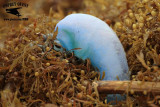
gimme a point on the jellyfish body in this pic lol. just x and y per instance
(97, 42)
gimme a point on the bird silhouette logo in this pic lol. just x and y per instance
(14, 11)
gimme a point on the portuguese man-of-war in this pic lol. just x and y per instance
(97, 42)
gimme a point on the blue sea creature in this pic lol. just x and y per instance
(97, 42)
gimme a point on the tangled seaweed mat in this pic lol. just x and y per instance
(38, 75)
(31, 75)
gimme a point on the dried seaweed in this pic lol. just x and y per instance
(139, 33)
(38, 75)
